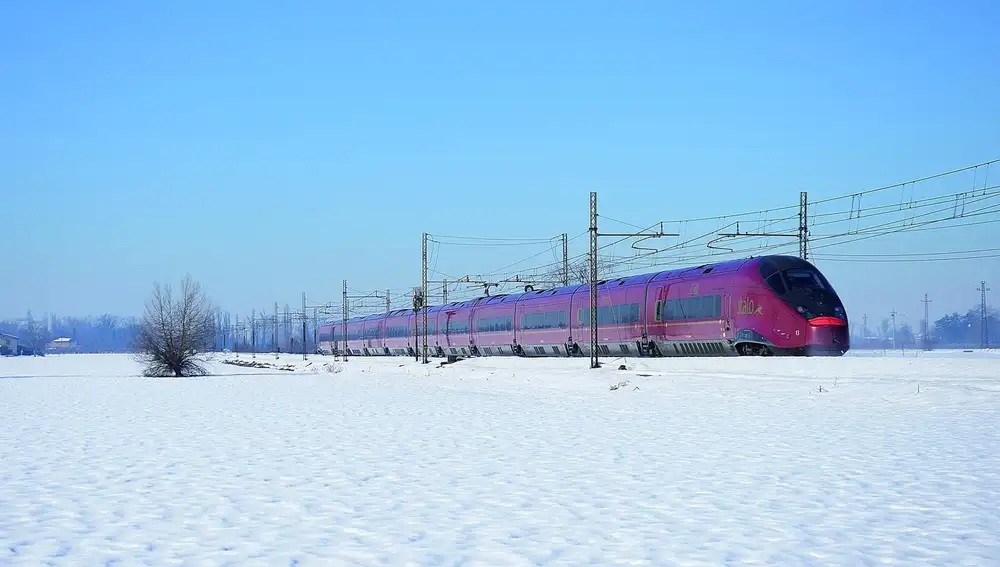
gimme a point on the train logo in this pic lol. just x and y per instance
(748, 306)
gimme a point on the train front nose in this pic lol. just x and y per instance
(827, 336)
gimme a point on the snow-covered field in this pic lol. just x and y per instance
(504, 462)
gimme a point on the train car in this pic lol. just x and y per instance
(543, 322)
(455, 329)
(398, 327)
(769, 305)
(798, 304)
(493, 325)
(688, 311)
(328, 339)
(620, 317)
(355, 336)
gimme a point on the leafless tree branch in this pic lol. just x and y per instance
(173, 335)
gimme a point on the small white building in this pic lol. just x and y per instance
(8, 344)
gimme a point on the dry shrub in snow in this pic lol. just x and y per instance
(174, 335)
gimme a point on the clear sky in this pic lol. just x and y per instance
(275, 148)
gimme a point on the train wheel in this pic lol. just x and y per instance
(654, 350)
(753, 349)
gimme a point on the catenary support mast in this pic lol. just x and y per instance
(593, 257)
(344, 333)
(927, 322)
(423, 290)
(803, 225)
(984, 340)
(565, 266)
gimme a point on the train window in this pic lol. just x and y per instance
(545, 320)
(776, 284)
(622, 314)
(802, 279)
(667, 311)
(493, 324)
(767, 268)
(701, 307)
(457, 326)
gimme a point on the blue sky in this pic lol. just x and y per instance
(270, 150)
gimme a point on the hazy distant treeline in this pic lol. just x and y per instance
(103, 333)
(955, 330)
(112, 333)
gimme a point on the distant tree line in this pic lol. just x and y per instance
(102, 333)
(109, 333)
(956, 330)
(965, 330)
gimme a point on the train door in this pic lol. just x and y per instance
(727, 311)
(632, 312)
(577, 334)
(656, 325)
(446, 327)
(676, 310)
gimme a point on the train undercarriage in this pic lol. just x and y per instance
(663, 349)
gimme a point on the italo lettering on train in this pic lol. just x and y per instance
(748, 306)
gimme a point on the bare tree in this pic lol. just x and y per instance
(579, 272)
(36, 335)
(173, 335)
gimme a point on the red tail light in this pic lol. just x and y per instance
(827, 321)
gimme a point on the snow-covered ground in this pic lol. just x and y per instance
(504, 462)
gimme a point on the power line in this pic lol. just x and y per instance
(492, 238)
(877, 255)
(905, 260)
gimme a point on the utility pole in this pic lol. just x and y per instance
(423, 290)
(594, 235)
(253, 333)
(893, 314)
(984, 340)
(388, 302)
(927, 323)
(565, 270)
(444, 289)
(345, 320)
(864, 327)
(803, 225)
(304, 319)
(274, 332)
(594, 362)
(418, 303)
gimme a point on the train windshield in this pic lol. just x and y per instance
(801, 278)
(802, 287)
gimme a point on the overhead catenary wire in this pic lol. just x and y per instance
(911, 213)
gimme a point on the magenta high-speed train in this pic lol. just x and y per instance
(769, 305)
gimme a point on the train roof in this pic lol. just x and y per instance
(779, 262)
